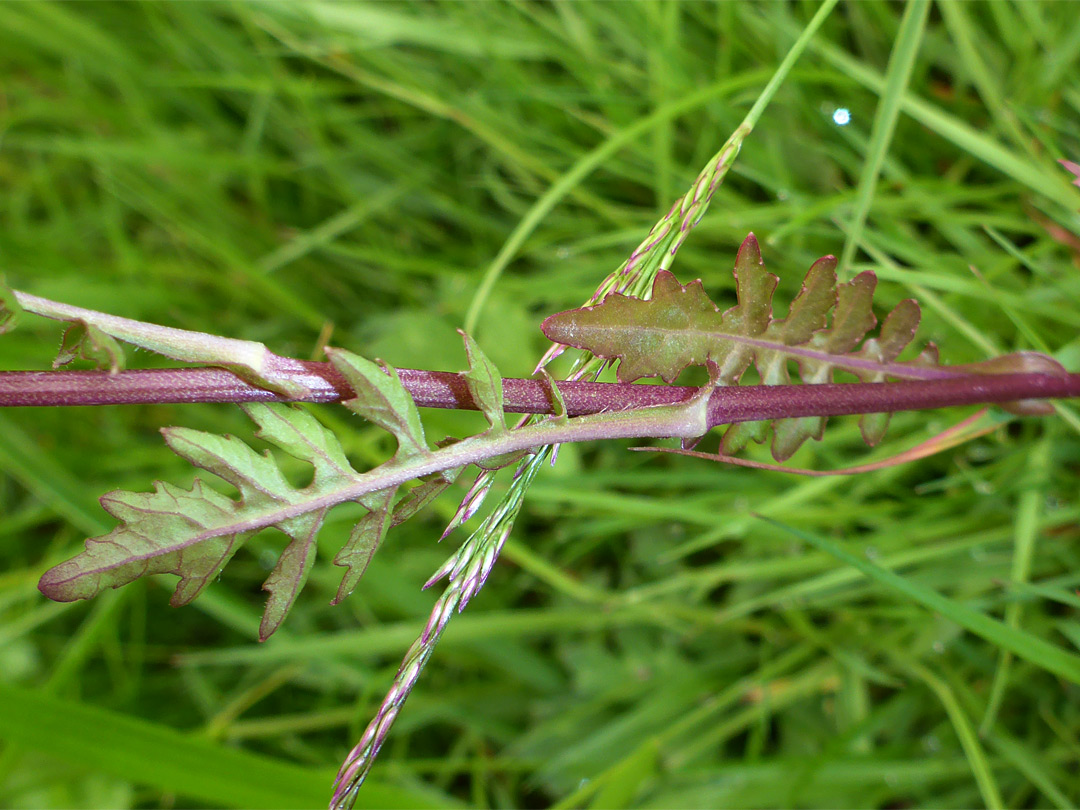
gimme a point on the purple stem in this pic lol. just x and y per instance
(442, 389)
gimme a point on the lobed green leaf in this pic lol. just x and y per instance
(194, 533)
(382, 399)
(485, 384)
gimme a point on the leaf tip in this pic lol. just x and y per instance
(750, 247)
(555, 326)
(274, 613)
(61, 583)
(48, 585)
(827, 262)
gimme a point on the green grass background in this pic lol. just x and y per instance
(270, 171)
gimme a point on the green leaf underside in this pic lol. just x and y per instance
(485, 385)
(193, 533)
(382, 399)
(363, 542)
(679, 326)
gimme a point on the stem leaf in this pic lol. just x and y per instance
(291, 572)
(248, 359)
(429, 488)
(485, 384)
(382, 399)
(678, 326)
(194, 533)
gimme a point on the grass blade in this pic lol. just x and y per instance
(901, 62)
(1035, 650)
(161, 757)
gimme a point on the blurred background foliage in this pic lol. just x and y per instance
(281, 171)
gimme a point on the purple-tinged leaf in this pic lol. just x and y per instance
(808, 316)
(679, 327)
(658, 337)
(140, 545)
(897, 332)
(750, 318)
(852, 319)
